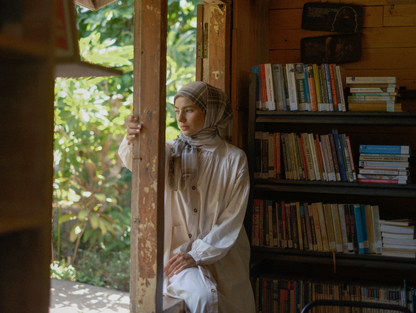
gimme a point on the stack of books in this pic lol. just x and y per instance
(398, 238)
(299, 87)
(373, 94)
(384, 164)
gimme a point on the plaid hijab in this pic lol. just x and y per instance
(218, 113)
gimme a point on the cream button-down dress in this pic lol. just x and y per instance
(206, 221)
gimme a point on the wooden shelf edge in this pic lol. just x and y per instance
(84, 69)
(351, 118)
(336, 187)
(360, 260)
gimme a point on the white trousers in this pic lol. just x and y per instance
(197, 287)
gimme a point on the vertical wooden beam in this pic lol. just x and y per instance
(216, 68)
(149, 103)
(199, 41)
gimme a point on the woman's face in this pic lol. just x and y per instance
(190, 117)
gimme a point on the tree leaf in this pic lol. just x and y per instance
(67, 217)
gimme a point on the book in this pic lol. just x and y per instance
(387, 234)
(399, 241)
(344, 231)
(375, 107)
(277, 155)
(308, 154)
(337, 227)
(333, 158)
(395, 158)
(299, 225)
(335, 94)
(294, 225)
(317, 226)
(341, 90)
(263, 87)
(397, 229)
(270, 209)
(256, 71)
(312, 88)
(291, 86)
(303, 232)
(371, 80)
(308, 217)
(385, 149)
(271, 157)
(383, 172)
(381, 164)
(322, 172)
(329, 226)
(359, 228)
(365, 230)
(340, 158)
(265, 154)
(354, 173)
(257, 155)
(392, 177)
(326, 76)
(353, 227)
(282, 209)
(314, 156)
(373, 89)
(346, 156)
(317, 82)
(382, 181)
(278, 87)
(260, 203)
(322, 224)
(301, 87)
(371, 98)
(307, 91)
(289, 230)
(270, 103)
(324, 91)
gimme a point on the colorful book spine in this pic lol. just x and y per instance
(328, 86)
(333, 86)
(291, 85)
(317, 82)
(339, 155)
(364, 227)
(359, 228)
(278, 87)
(341, 90)
(270, 104)
(307, 91)
(385, 149)
(371, 80)
(255, 70)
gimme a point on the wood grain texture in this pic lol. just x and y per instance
(399, 15)
(148, 156)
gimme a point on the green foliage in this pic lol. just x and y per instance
(104, 268)
(63, 271)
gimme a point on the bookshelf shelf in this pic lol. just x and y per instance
(343, 188)
(360, 260)
(348, 118)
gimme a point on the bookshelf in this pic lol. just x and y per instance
(26, 145)
(395, 201)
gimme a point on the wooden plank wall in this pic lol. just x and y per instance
(388, 38)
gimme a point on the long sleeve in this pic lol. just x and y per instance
(125, 153)
(224, 233)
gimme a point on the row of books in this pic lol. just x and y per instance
(291, 296)
(299, 87)
(398, 238)
(305, 156)
(338, 227)
(376, 94)
(384, 164)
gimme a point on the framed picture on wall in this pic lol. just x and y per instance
(331, 49)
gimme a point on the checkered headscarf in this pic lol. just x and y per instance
(218, 114)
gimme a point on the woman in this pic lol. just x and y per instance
(206, 256)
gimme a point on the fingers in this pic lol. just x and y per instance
(133, 128)
(178, 263)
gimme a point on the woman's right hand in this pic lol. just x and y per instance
(133, 128)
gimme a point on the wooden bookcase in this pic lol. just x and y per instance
(283, 46)
(26, 145)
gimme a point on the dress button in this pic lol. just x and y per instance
(193, 187)
(195, 210)
(213, 290)
(189, 235)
